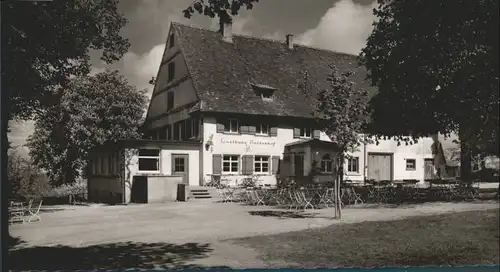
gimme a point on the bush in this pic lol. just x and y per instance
(26, 180)
(66, 190)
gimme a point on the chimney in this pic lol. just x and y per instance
(227, 31)
(289, 41)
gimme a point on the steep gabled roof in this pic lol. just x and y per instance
(223, 73)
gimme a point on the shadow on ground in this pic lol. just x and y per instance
(109, 256)
(287, 214)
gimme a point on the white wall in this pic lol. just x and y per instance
(165, 167)
(249, 146)
(418, 151)
(246, 146)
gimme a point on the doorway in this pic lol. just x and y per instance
(139, 190)
(180, 167)
(379, 166)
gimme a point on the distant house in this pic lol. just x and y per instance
(245, 106)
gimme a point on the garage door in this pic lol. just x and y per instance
(379, 166)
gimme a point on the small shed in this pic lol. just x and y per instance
(310, 161)
(143, 171)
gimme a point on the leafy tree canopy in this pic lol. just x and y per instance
(90, 111)
(223, 9)
(45, 43)
(435, 64)
(342, 111)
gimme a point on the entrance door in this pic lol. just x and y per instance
(139, 190)
(180, 166)
(429, 169)
(298, 165)
(379, 166)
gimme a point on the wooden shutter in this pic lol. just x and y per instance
(316, 134)
(296, 133)
(252, 129)
(275, 164)
(273, 131)
(244, 130)
(216, 164)
(220, 128)
(247, 164)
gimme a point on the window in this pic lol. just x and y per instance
(162, 134)
(177, 131)
(411, 164)
(111, 165)
(168, 132)
(230, 163)
(179, 164)
(353, 165)
(103, 165)
(193, 128)
(170, 100)
(171, 41)
(261, 164)
(149, 160)
(326, 164)
(231, 126)
(306, 132)
(171, 71)
(262, 129)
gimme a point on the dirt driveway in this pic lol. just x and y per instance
(195, 226)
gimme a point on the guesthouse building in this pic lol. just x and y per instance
(230, 106)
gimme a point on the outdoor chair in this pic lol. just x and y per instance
(34, 211)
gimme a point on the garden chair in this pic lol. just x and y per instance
(34, 211)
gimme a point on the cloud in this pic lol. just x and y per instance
(344, 28)
(139, 69)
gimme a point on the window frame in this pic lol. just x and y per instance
(227, 126)
(259, 127)
(158, 160)
(231, 161)
(303, 132)
(326, 162)
(183, 164)
(171, 71)
(170, 100)
(414, 168)
(261, 163)
(349, 165)
(171, 41)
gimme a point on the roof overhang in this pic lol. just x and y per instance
(315, 143)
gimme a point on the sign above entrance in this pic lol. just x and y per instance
(251, 142)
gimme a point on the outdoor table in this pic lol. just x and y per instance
(16, 211)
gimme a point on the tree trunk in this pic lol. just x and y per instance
(465, 157)
(5, 183)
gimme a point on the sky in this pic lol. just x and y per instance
(339, 25)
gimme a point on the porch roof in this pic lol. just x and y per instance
(315, 143)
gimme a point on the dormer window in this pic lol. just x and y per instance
(266, 92)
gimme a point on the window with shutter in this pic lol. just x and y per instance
(247, 165)
(220, 128)
(216, 164)
(275, 164)
(273, 132)
(296, 133)
(230, 164)
(316, 134)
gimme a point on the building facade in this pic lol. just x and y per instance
(247, 103)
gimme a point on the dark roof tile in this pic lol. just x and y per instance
(223, 73)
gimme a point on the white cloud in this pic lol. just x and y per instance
(344, 28)
(140, 68)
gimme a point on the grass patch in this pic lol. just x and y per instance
(465, 238)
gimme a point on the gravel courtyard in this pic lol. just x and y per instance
(192, 234)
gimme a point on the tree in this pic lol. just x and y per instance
(342, 112)
(90, 111)
(223, 9)
(43, 52)
(435, 64)
(26, 179)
